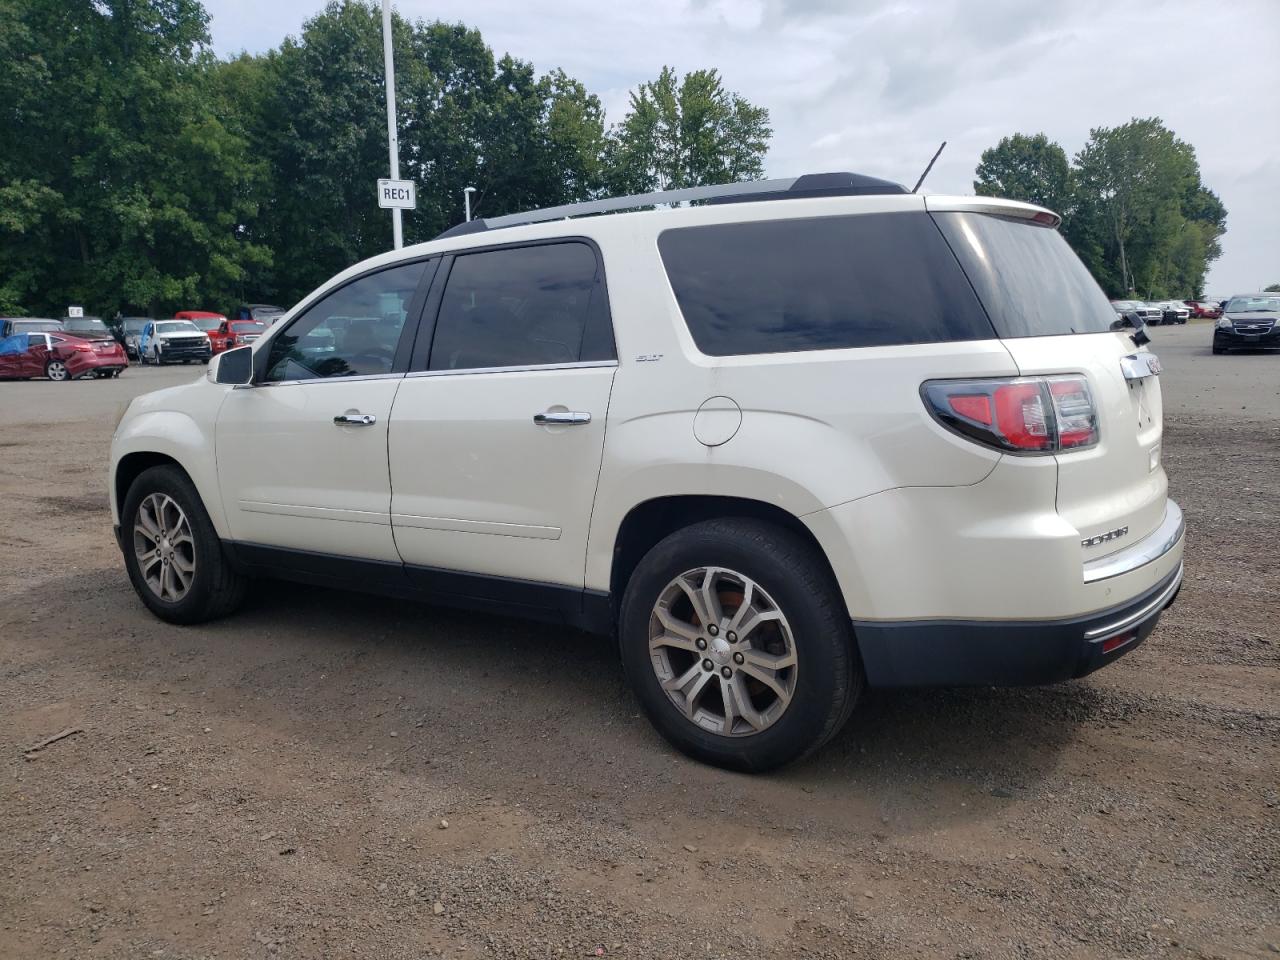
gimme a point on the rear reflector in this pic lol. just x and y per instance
(1021, 414)
(1118, 641)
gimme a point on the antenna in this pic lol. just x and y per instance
(929, 167)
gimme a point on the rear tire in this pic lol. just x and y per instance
(805, 630)
(57, 371)
(211, 588)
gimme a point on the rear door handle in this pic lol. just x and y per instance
(355, 419)
(560, 418)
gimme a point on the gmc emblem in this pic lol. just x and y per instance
(1115, 534)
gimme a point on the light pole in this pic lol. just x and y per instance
(466, 200)
(393, 139)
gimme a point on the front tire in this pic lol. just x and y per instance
(172, 553)
(759, 605)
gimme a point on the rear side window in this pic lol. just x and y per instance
(777, 286)
(522, 306)
(1030, 281)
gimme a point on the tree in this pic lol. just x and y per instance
(129, 193)
(1274, 288)
(1153, 222)
(684, 134)
(1029, 168)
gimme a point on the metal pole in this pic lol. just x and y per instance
(393, 138)
(466, 199)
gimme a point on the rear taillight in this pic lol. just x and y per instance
(1023, 414)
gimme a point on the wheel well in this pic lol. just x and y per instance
(131, 467)
(650, 522)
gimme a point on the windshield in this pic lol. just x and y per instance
(207, 323)
(1253, 305)
(85, 325)
(36, 326)
(1026, 276)
(177, 326)
(133, 324)
(247, 326)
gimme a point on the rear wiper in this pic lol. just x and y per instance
(1134, 320)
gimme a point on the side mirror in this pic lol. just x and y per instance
(234, 367)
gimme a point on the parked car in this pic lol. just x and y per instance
(1149, 313)
(13, 325)
(1249, 320)
(127, 332)
(1173, 311)
(781, 449)
(173, 341)
(1204, 309)
(264, 313)
(234, 333)
(92, 328)
(59, 357)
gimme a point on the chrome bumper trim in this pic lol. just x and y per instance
(1138, 616)
(1150, 548)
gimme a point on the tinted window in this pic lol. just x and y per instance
(819, 284)
(1030, 281)
(352, 332)
(522, 306)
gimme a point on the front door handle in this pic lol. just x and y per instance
(355, 419)
(560, 418)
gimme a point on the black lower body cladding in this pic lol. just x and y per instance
(949, 653)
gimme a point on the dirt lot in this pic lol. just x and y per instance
(278, 784)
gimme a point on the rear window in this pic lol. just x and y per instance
(827, 283)
(1030, 281)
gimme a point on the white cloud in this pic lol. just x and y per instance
(875, 86)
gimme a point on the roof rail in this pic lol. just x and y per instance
(789, 188)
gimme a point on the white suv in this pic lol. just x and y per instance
(799, 438)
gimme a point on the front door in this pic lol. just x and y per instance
(498, 430)
(302, 453)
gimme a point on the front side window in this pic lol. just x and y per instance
(777, 286)
(352, 332)
(522, 306)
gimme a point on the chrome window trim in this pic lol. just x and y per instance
(290, 383)
(527, 368)
(1147, 550)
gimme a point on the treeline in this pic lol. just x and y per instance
(140, 173)
(1133, 205)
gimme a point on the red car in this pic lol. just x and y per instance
(235, 333)
(59, 356)
(1204, 310)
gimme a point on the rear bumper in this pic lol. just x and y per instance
(1008, 653)
(80, 363)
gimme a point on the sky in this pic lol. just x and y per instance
(874, 86)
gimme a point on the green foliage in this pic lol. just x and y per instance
(1273, 288)
(122, 188)
(1032, 169)
(686, 133)
(1134, 207)
(142, 174)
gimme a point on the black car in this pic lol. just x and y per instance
(1249, 320)
(126, 330)
(91, 328)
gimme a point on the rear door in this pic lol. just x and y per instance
(1053, 318)
(498, 429)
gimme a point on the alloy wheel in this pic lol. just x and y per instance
(57, 370)
(723, 651)
(164, 547)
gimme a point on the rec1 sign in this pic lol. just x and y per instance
(397, 194)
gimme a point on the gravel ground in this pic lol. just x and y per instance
(335, 775)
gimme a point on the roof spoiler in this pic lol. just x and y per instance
(993, 206)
